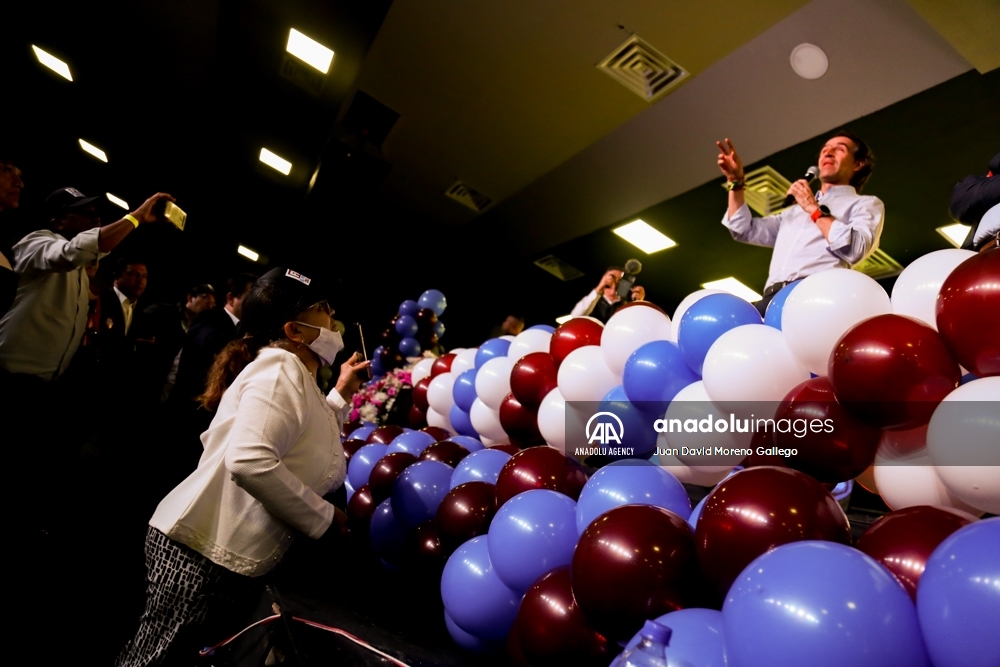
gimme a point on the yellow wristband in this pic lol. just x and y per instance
(131, 218)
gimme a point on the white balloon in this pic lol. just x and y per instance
(487, 442)
(486, 421)
(421, 370)
(697, 475)
(552, 419)
(963, 440)
(439, 393)
(915, 292)
(493, 381)
(905, 475)
(528, 341)
(750, 363)
(463, 361)
(628, 330)
(435, 418)
(583, 375)
(821, 310)
(686, 303)
(507, 337)
(692, 403)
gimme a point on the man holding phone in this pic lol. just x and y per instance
(604, 301)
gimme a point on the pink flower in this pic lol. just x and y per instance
(355, 414)
(391, 391)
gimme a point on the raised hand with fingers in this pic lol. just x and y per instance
(729, 162)
(351, 376)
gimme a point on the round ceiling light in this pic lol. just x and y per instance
(809, 61)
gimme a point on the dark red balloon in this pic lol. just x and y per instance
(420, 394)
(352, 445)
(532, 378)
(360, 509)
(515, 652)
(391, 358)
(466, 512)
(350, 428)
(510, 449)
(519, 422)
(436, 432)
(384, 435)
(385, 472)
(891, 371)
(759, 509)
(446, 451)
(422, 550)
(835, 446)
(968, 313)
(631, 564)
(442, 364)
(540, 468)
(903, 540)
(426, 318)
(572, 334)
(764, 440)
(553, 630)
(390, 338)
(416, 417)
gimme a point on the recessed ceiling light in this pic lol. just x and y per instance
(955, 233)
(248, 253)
(809, 61)
(733, 286)
(117, 201)
(644, 237)
(93, 150)
(276, 162)
(309, 51)
(53, 63)
(564, 318)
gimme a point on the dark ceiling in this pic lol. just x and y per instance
(182, 95)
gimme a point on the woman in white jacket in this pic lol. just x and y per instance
(270, 455)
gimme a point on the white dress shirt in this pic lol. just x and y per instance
(273, 450)
(585, 306)
(800, 248)
(42, 330)
(128, 308)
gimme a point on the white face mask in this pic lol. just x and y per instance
(327, 345)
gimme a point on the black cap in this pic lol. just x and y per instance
(278, 297)
(67, 198)
(203, 288)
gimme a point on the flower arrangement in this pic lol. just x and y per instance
(375, 400)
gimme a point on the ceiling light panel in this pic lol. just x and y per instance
(117, 201)
(735, 287)
(644, 237)
(93, 150)
(309, 51)
(248, 253)
(275, 162)
(53, 63)
(955, 233)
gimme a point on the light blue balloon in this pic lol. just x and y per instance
(696, 638)
(532, 533)
(696, 513)
(362, 432)
(772, 316)
(637, 425)
(411, 442)
(494, 347)
(706, 320)
(378, 370)
(359, 468)
(409, 307)
(409, 347)
(630, 482)
(419, 490)
(434, 300)
(386, 532)
(464, 389)
(469, 442)
(473, 595)
(481, 466)
(349, 489)
(543, 327)
(654, 374)
(438, 328)
(820, 604)
(462, 422)
(406, 326)
(470, 642)
(958, 598)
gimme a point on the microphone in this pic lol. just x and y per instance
(625, 283)
(810, 176)
(633, 266)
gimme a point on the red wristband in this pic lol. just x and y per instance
(816, 215)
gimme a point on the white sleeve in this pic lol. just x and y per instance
(340, 408)
(988, 225)
(269, 421)
(45, 252)
(585, 306)
(857, 237)
(756, 231)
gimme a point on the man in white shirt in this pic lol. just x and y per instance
(836, 227)
(603, 301)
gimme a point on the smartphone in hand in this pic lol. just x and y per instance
(175, 214)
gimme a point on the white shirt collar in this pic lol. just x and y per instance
(121, 297)
(235, 319)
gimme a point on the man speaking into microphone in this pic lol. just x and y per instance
(836, 227)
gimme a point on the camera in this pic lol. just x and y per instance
(625, 283)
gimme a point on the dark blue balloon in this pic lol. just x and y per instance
(434, 300)
(543, 327)
(474, 596)
(820, 604)
(411, 442)
(378, 369)
(967, 378)
(386, 532)
(406, 326)
(470, 642)
(706, 320)
(464, 389)
(438, 328)
(359, 468)
(349, 488)
(772, 316)
(471, 443)
(408, 307)
(696, 513)
(639, 435)
(630, 482)
(419, 490)
(958, 598)
(696, 638)
(654, 374)
(481, 466)
(462, 422)
(409, 347)
(362, 432)
(494, 347)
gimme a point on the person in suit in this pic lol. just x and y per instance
(116, 337)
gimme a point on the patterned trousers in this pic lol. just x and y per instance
(190, 603)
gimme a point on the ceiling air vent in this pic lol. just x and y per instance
(765, 190)
(466, 196)
(642, 69)
(879, 265)
(558, 268)
(302, 75)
